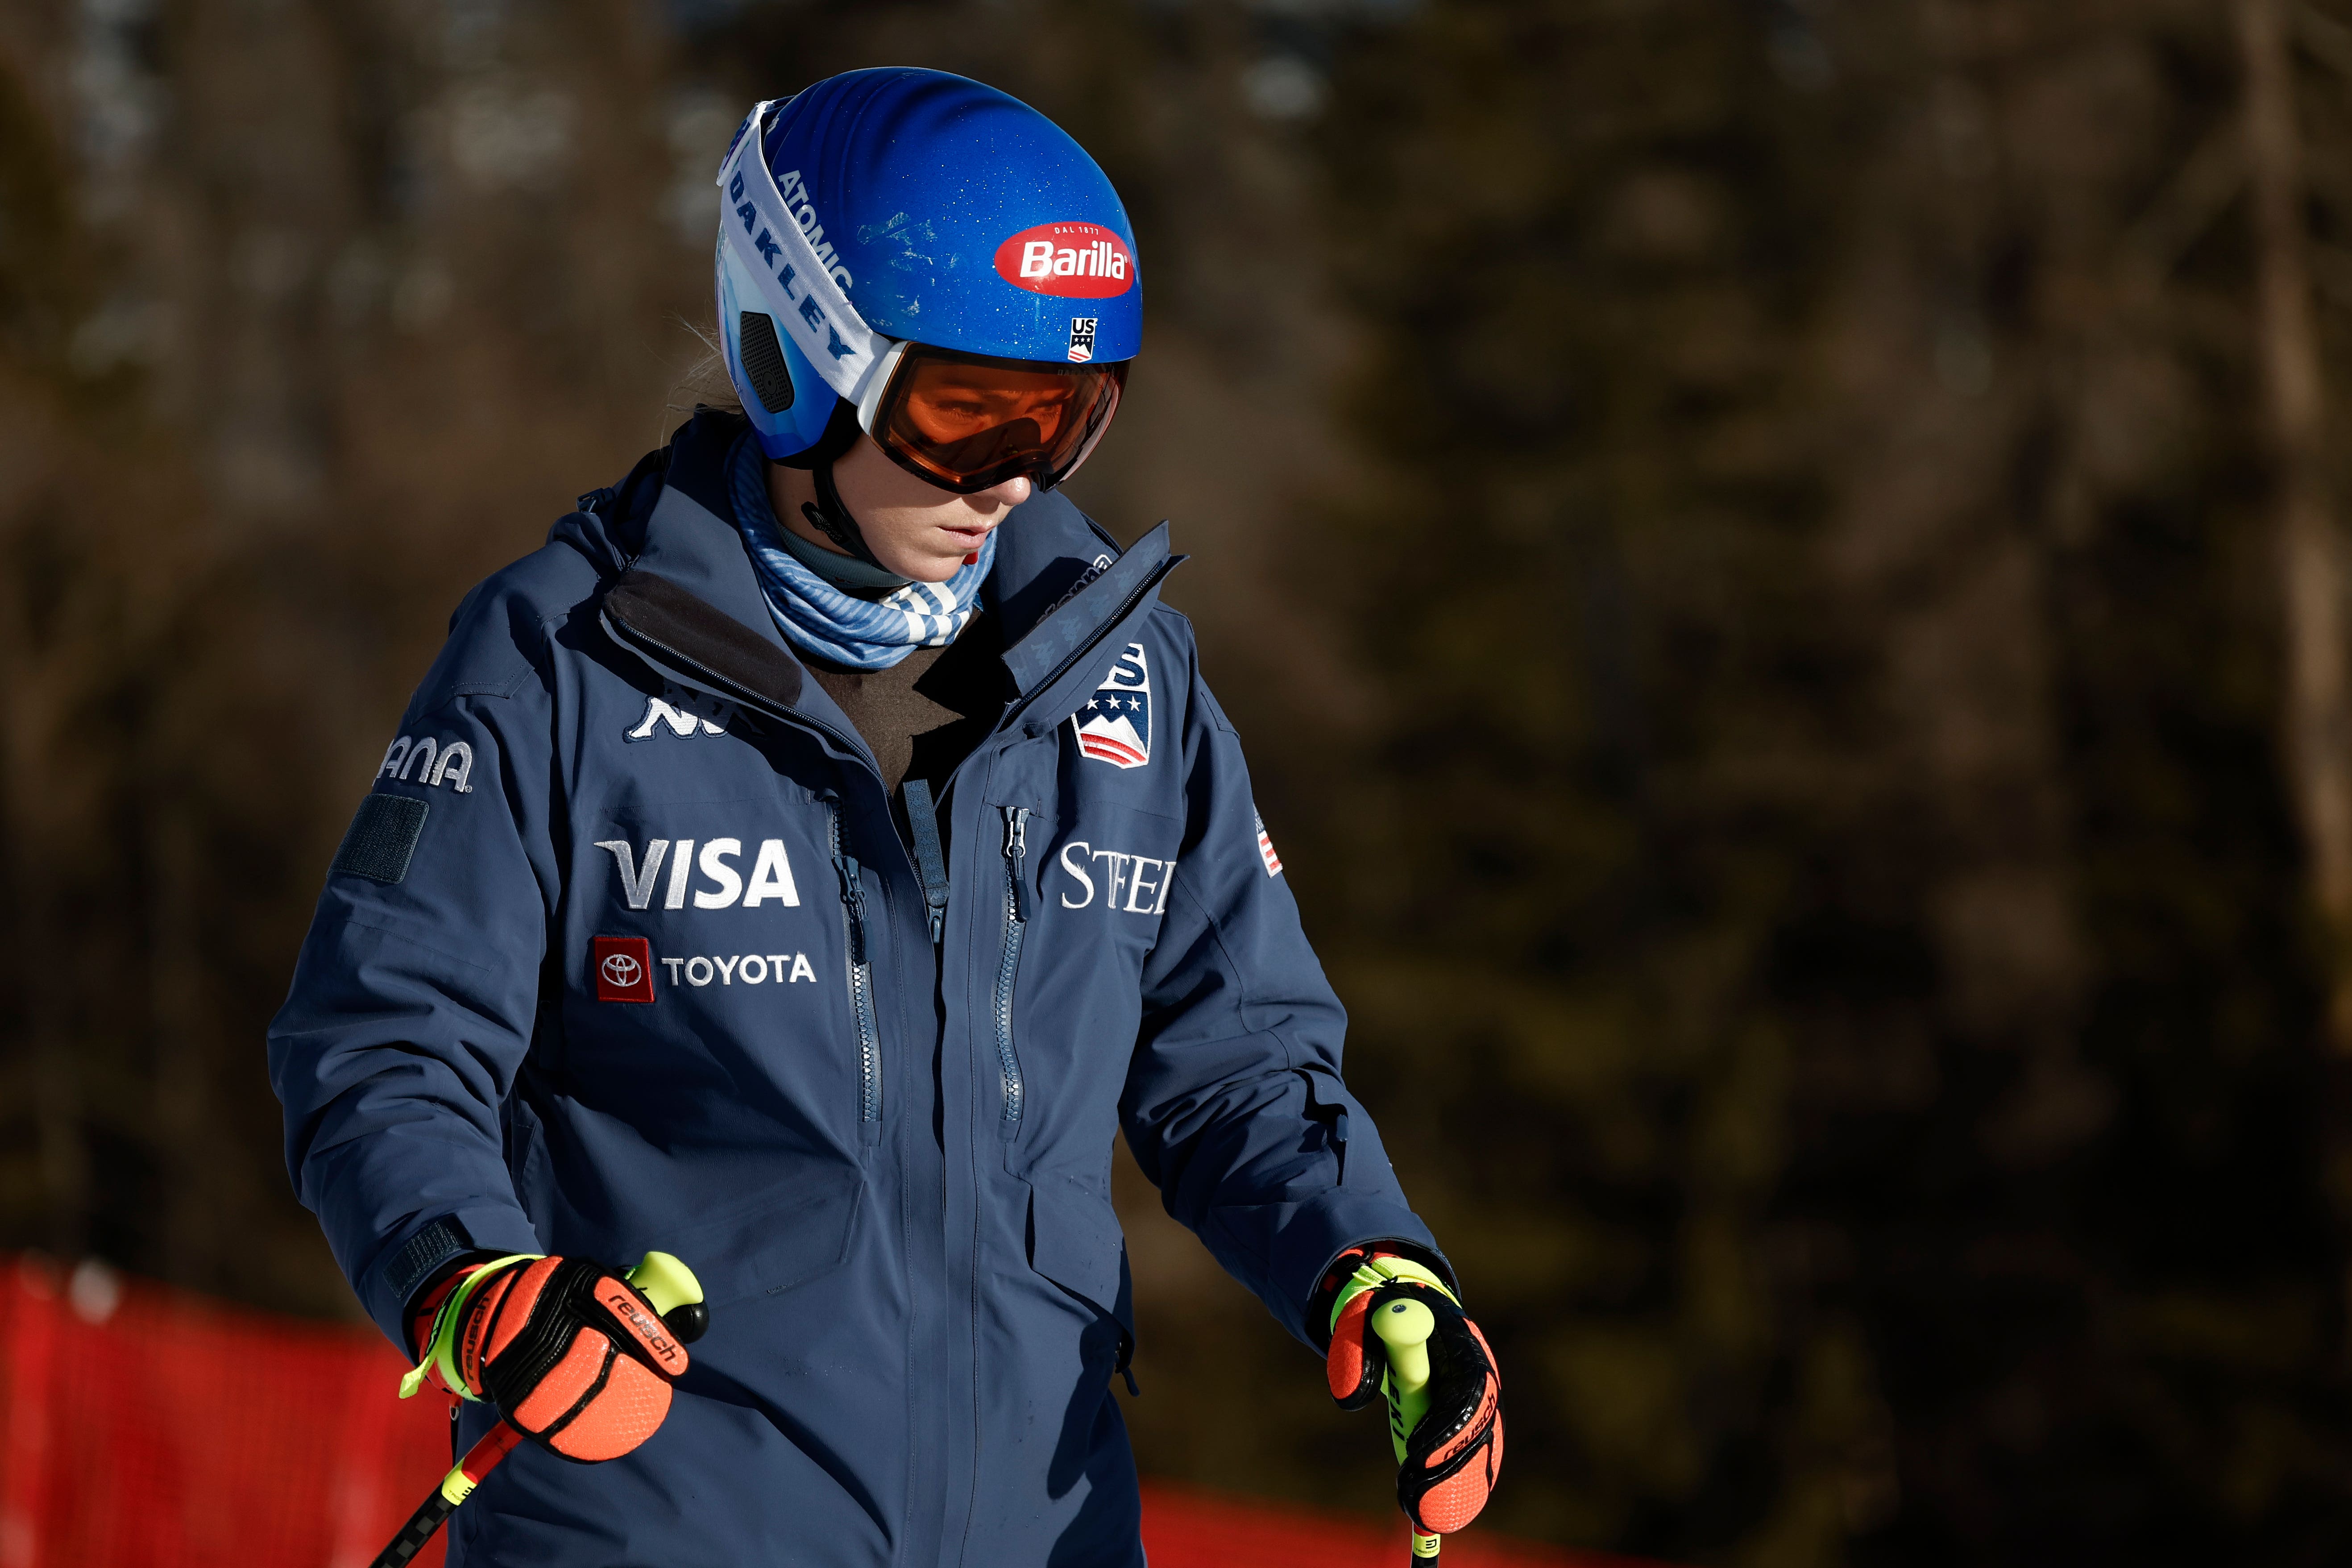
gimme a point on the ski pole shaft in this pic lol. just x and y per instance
(1404, 1327)
(479, 1461)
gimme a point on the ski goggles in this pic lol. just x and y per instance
(966, 422)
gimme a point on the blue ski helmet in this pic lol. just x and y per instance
(890, 210)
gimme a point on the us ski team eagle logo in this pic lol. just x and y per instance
(1114, 724)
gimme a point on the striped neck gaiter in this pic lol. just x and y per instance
(817, 616)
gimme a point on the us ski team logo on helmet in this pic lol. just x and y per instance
(1114, 724)
(1074, 260)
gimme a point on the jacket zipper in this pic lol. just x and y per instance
(1016, 926)
(861, 986)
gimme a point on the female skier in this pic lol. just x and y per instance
(806, 864)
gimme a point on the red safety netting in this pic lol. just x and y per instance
(140, 1426)
(144, 1428)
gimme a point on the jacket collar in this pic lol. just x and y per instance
(691, 538)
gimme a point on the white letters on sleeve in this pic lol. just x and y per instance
(413, 759)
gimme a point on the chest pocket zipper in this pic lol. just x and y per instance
(1018, 910)
(861, 990)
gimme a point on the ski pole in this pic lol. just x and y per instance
(667, 1283)
(1406, 1327)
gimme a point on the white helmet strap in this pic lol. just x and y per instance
(803, 293)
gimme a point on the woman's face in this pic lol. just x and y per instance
(913, 527)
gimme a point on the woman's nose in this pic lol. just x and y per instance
(1011, 493)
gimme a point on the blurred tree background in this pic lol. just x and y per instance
(1745, 536)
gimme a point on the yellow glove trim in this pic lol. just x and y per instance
(441, 1344)
(1375, 1272)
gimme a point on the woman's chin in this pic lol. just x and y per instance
(928, 571)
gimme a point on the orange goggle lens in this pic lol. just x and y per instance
(965, 422)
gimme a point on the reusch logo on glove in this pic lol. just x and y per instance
(568, 1352)
(624, 968)
(1073, 260)
(651, 1332)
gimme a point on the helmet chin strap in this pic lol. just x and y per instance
(830, 517)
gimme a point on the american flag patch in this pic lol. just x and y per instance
(1265, 847)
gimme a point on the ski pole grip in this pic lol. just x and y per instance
(667, 1282)
(675, 1292)
(1406, 1327)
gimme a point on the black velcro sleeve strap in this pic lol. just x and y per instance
(655, 612)
(415, 1264)
(382, 838)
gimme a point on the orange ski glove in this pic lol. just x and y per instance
(1447, 1432)
(575, 1356)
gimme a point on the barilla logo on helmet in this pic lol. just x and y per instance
(1074, 260)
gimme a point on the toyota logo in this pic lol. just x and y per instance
(622, 970)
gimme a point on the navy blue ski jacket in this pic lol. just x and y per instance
(624, 950)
